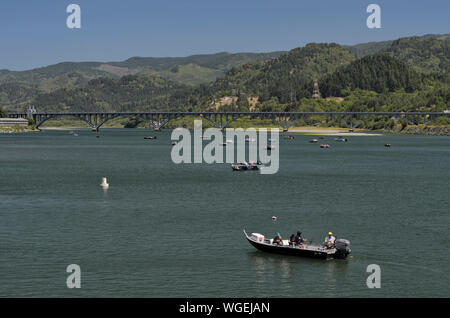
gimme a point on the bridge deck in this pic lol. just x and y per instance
(219, 119)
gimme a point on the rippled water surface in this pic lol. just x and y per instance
(166, 230)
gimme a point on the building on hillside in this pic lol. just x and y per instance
(336, 99)
(252, 101)
(10, 122)
(227, 100)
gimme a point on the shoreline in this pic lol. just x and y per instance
(10, 130)
(322, 131)
(334, 132)
(305, 130)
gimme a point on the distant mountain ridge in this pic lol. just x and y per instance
(199, 81)
(364, 49)
(207, 68)
(191, 70)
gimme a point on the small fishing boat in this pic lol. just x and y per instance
(324, 146)
(313, 141)
(150, 137)
(288, 137)
(244, 166)
(269, 147)
(174, 143)
(340, 250)
(341, 139)
(387, 145)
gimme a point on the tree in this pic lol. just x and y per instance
(3, 113)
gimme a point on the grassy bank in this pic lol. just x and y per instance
(17, 129)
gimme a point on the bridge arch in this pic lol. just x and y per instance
(222, 119)
(40, 119)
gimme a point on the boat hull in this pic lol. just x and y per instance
(244, 167)
(295, 251)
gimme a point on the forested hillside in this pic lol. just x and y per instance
(287, 77)
(129, 93)
(425, 54)
(188, 70)
(406, 74)
(379, 73)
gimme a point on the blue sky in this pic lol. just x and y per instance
(34, 33)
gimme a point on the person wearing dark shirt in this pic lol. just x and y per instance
(278, 240)
(292, 240)
(298, 238)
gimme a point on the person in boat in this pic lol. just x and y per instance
(299, 239)
(329, 240)
(277, 240)
(292, 240)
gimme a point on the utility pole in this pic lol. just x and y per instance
(316, 92)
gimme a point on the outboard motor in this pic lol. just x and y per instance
(342, 248)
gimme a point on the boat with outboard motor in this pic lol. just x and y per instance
(243, 166)
(340, 250)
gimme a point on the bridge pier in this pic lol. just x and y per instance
(286, 120)
(224, 119)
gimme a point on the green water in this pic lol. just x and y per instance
(166, 230)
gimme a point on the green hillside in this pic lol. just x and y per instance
(425, 54)
(219, 61)
(129, 93)
(285, 77)
(16, 95)
(370, 48)
(379, 73)
(188, 70)
(406, 74)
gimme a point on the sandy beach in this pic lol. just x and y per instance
(332, 132)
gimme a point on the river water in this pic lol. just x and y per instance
(166, 230)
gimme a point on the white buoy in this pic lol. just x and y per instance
(105, 183)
